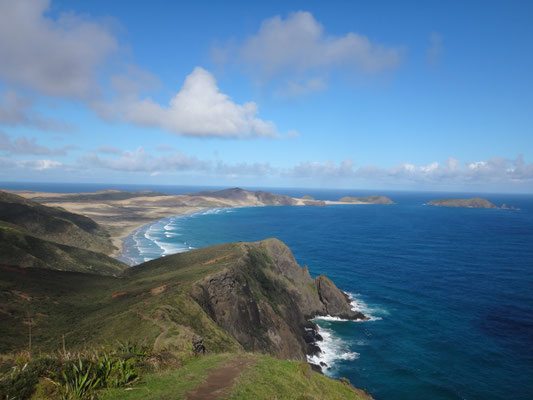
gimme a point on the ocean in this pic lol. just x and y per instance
(449, 290)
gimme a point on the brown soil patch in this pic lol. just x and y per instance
(221, 379)
(158, 290)
(214, 260)
(118, 294)
(22, 295)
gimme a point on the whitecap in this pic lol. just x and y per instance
(360, 306)
(332, 349)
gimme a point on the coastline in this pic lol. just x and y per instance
(132, 227)
(325, 348)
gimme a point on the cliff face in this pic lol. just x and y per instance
(265, 299)
(238, 295)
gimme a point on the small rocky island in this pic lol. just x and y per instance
(474, 202)
(375, 199)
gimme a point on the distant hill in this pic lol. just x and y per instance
(475, 202)
(20, 249)
(54, 224)
(36, 236)
(367, 200)
(104, 195)
(248, 197)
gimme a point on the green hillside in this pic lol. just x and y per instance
(238, 297)
(54, 224)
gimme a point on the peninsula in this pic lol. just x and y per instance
(247, 306)
(120, 213)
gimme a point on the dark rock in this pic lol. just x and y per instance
(337, 303)
(264, 298)
(313, 349)
(316, 368)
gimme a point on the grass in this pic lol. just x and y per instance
(172, 384)
(73, 376)
(17, 247)
(82, 307)
(271, 378)
(151, 304)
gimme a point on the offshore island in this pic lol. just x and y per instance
(227, 321)
(474, 202)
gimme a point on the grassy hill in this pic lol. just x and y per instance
(36, 236)
(238, 297)
(54, 224)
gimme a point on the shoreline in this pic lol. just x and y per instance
(130, 235)
(119, 240)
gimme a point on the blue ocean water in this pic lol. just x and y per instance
(450, 290)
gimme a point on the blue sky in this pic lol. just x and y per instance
(370, 95)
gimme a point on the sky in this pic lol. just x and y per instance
(433, 95)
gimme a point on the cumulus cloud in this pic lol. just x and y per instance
(23, 145)
(493, 171)
(199, 109)
(142, 161)
(37, 165)
(56, 57)
(17, 110)
(436, 48)
(299, 45)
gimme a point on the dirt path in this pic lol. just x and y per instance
(221, 379)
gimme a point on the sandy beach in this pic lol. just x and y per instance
(121, 213)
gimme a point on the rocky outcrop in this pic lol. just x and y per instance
(367, 200)
(264, 300)
(336, 303)
(506, 207)
(474, 202)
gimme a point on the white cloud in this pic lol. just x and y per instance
(23, 145)
(39, 165)
(435, 50)
(17, 110)
(299, 46)
(295, 88)
(141, 161)
(198, 109)
(494, 171)
(53, 57)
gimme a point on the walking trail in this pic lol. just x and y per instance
(221, 379)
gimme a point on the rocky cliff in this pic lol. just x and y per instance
(265, 299)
